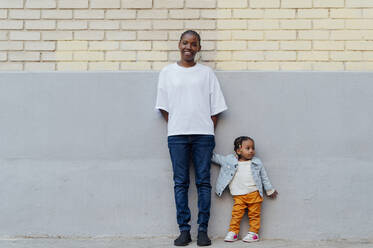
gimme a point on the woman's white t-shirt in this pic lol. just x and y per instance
(190, 95)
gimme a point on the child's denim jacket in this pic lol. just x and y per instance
(228, 168)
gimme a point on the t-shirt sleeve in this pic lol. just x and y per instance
(217, 102)
(162, 98)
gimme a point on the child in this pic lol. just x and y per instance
(246, 177)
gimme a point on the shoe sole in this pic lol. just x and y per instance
(250, 241)
(230, 240)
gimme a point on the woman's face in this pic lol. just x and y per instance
(189, 46)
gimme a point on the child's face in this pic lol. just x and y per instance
(246, 150)
(189, 46)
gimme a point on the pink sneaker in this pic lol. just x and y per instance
(251, 237)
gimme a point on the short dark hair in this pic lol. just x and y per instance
(192, 32)
(238, 142)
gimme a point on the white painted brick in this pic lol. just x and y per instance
(89, 35)
(72, 45)
(328, 24)
(120, 14)
(231, 24)
(359, 3)
(296, 3)
(175, 56)
(347, 13)
(328, 3)
(40, 45)
(136, 24)
(72, 66)
(295, 45)
(72, 25)
(121, 35)
(106, 25)
(215, 35)
(136, 45)
(279, 13)
(312, 13)
(295, 66)
(231, 66)
(135, 66)
(200, 24)
(328, 66)
(24, 56)
(57, 14)
(121, 56)
(24, 14)
(359, 66)
(215, 13)
(152, 35)
(152, 14)
(346, 35)
(263, 45)
(313, 35)
(231, 45)
(24, 35)
(247, 35)
(232, 4)
(41, 4)
(168, 24)
(57, 35)
(7, 24)
(11, 4)
(264, 3)
(105, 4)
(11, 45)
(3, 35)
(3, 13)
(208, 45)
(346, 56)
(137, 4)
(172, 4)
(281, 35)
(263, 66)
(39, 66)
(73, 4)
(165, 45)
(216, 55)
(368, 56)
(157, 66)
(3, 56)
(295, 24)
(57, 56)
(359, 24)
(90, 14)
(280, 55)
(11, 66)
(104, 66)
(313, 56)
(248, 55)
(367, 13)
(263, 24)
(200, 4)
(328, 45)
(359, 45)
(186, 14)
(366, 34)
(175, 35)
(88, 56)
(151, 56)
(104, 45)
(44, 25)
(248, 13)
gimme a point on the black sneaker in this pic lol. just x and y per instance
(203, 239)
(183, 239)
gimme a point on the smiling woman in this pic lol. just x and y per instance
(190, 100)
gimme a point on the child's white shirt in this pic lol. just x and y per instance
(243, 182)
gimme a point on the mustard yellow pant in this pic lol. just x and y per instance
(253, 203)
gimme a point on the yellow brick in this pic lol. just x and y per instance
(312, 13)
(281, 35)
(90, 14)
(135, 66)
(57, 35)
(216, 55)
(175, 56)
(247, 35)
(40, 4)
(359, 45)
(328, 3)
(215, 13)
(367, 13)
(168, 24)
(88, 56)
(3, 13)
(232, 24)
(152, 35)
(184, 14)
(328, 24)
(57, 14)
(120, 35)
(200, 4)
(106, 25)
(24, 35)
(72, 45)
(231, 45)
(346, 35)
(24, 56)
(40, 45)
(11, 4)
(121, 14)
(73, 4)
(263, 45)
(295, 45)
(280, 55)
(165, 45)
(72, 25)
(103, 66)
(151, 56)
(89, 35)
(200, 24)
(232, 4)
(208, 45)
(264, 3)
(279, 13)
(346, 56)
(263, 66)
(24, 14)
(174, 4)
(103, 45)
(248, 55)
(105, 4)
(121, 56)
(359, 24)
(4, 35)
(72, 66)
(152, 14)
(313, 35)
(3, 56)
(366, 34)
(7, 24)
(296, 4)
(57, 56)
(359, 66)
(136, 25)
(295, 24)
(175, 35)
(136, 45)
(38, 66)
(11, 45)
(263, 24)
(296, 66)
(368, 56)
(346, 13)
(359, 3)
(157, 66)
(328, 66)
(248, 13)
(231, 66)
(11, 66)
(328, 45)
(135, 4)
(313, 56)
(215, 35)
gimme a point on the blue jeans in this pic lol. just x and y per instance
(182, 148)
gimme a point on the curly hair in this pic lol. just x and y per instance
(238, 142)
(192, 32)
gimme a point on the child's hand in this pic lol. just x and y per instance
(273, 195)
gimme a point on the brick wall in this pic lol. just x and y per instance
(93, 35)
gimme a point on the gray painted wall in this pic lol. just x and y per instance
(85, 154)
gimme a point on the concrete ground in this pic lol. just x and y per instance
(168, 242)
